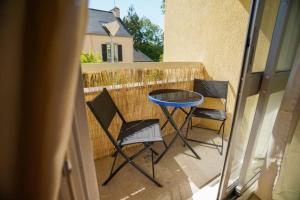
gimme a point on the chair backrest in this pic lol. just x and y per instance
(104, 109)
(209, 88)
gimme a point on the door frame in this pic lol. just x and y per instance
(252, 83)
(79, 167)
(251, 39)
(267, 88)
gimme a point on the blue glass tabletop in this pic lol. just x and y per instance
(175, 98)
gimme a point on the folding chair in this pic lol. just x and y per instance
(144, 132)
(213, 89)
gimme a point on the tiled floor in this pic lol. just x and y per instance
(182, 176)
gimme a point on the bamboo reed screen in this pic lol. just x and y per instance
(129, 88)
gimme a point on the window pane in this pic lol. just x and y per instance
(242, 139)
(264, 135)
(116, 59)
(265, 35)
(291, 38)
(108, 53)
(115, 53)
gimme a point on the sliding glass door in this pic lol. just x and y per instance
(273, 35)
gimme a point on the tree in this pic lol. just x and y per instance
(147, 37)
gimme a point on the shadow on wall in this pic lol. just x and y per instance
(265, 33)
(271, 12)
(246, 4)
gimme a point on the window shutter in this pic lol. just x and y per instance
(120, 54)
(104, 53)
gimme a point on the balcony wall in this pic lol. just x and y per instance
(129, 84)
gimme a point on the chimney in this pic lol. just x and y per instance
(116, 11)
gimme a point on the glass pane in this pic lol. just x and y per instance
(264, 135)
(108, 52)
(291, 38)
(241, 143)
(116, 59)
(265, 35)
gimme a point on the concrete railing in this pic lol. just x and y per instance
(129, 84)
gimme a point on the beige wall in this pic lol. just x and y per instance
(92, 43)
(212, 32)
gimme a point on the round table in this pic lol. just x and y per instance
(178, 99)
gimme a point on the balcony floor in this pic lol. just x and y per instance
(182, 176)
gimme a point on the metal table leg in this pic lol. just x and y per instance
(178, 131)
(167, 121)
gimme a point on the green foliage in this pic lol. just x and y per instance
(90, 58)
(161, 57)
(147, 37)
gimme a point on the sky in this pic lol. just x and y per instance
(148, 8)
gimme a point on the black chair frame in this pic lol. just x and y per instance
(119, 148)
(221, 129)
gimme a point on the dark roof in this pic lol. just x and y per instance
(98, 17)
(139, 56)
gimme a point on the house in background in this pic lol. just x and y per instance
(97, 41)
(139, 56)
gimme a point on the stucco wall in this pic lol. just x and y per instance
(92, 43)
(212, 32)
